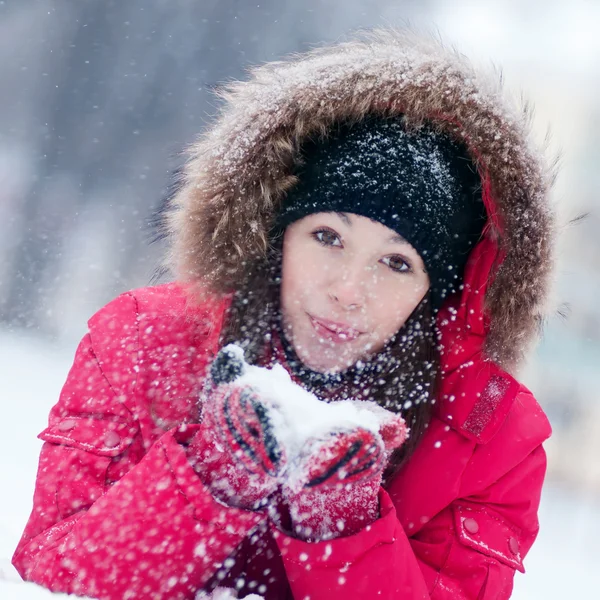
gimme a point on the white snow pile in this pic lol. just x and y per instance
(299, 416)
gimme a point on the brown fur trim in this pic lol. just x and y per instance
(239, 170)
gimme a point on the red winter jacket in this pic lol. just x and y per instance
(120, 513)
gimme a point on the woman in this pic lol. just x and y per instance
(371, 216)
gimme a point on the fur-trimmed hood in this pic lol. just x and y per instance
(239, 170)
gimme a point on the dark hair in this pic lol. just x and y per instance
(401, 377)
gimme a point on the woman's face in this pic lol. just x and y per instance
(348, 285)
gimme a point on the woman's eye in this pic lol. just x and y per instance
(397, 263)
(327, 237)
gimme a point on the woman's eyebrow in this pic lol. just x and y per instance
(394, 239)
(344, 217)
(397, 239)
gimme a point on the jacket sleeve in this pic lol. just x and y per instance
(112, 519)
(469, 551)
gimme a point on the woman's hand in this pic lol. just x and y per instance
(329, 481)
(235, 451)
(333, 485)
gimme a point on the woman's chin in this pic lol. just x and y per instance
(322, 363)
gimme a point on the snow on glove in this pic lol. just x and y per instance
(392, 427)
(334, 484)
(235, 451)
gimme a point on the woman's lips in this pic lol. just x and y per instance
(336, 332)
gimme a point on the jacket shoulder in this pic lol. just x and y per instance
(477, 399)
(167, 303)
(516, 444)
(526, 424)
(153, 343)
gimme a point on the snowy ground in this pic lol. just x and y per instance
(562, 564)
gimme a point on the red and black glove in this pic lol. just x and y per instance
(333, 486)
(235, 451)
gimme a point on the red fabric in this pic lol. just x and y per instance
(119, 512)
(344, 502)
(239, 474)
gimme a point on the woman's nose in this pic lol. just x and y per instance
(348, 288)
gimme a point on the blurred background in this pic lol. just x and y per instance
(99, 97)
